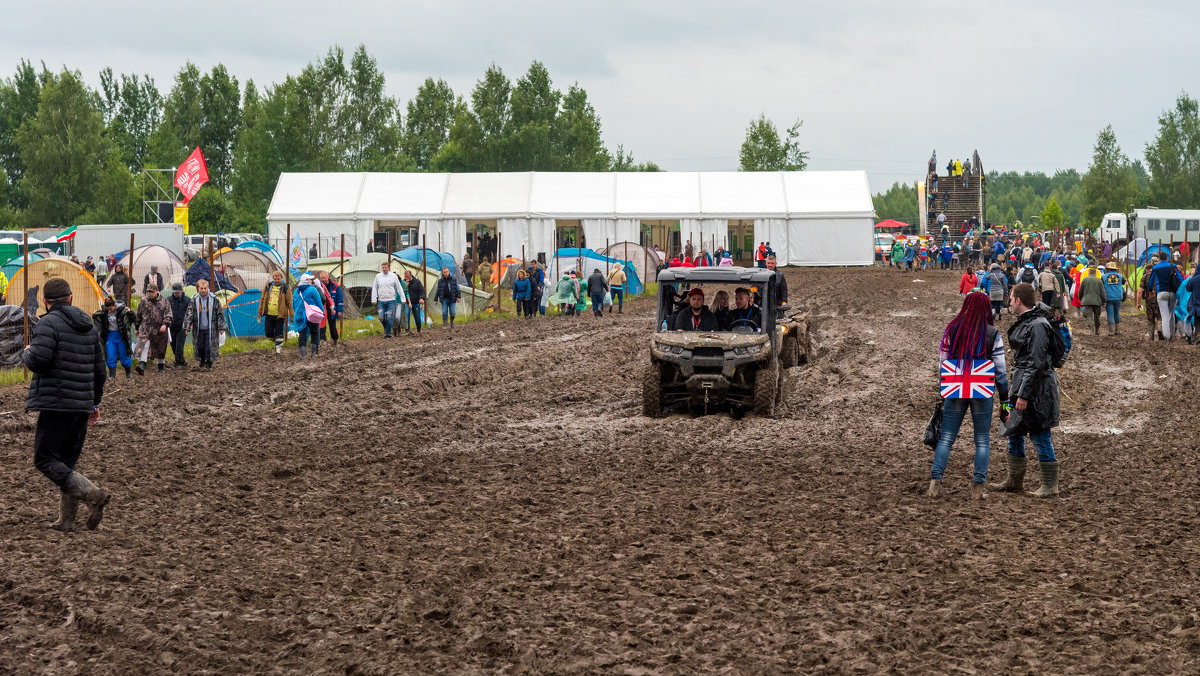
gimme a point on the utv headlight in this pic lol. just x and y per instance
(739, 351)
(754, 349)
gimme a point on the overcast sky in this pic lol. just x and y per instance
(878, 84)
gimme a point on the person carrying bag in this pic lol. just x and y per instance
(972, 368)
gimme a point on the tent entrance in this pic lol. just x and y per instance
(664, 235)
(392, 236)
(481, 240)
(568, 234)
(741, 242)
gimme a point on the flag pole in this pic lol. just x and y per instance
(341, 275)
(132, 281)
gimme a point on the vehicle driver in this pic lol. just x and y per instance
(697, 316)
(743, 313)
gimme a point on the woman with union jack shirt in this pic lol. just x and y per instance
(973, 368)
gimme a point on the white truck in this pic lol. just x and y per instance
(102, 240)
(1154, 225)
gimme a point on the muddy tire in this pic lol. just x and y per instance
(789, 351)
(652, 391)
(766, 387)
(803, 342)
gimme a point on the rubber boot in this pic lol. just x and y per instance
(81, 489)
(161, 367)
(128, 372)
(1049, 480)
(1116, 328)
(141, 368)
(312, 349)
(1110, 328)
(935, 488)
(977, 491)
(112, 371)
(302, 355)
(66, 514)
(1015, 482)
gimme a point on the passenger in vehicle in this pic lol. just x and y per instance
(743, 314)
(697, 316)
(720, 307)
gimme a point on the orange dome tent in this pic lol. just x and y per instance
(87, 296)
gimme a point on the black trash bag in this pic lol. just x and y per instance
(933, 430)
(12, 334)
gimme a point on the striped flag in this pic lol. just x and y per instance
(67, 234)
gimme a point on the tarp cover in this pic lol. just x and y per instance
(12, 334)
(200, 270)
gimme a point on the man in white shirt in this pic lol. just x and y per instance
(386, 291)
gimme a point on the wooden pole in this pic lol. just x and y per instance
(25, 297)
(607, 258)
(212, 271)
(496, 270)
(132, 281)
(341, 276)
(287, 257)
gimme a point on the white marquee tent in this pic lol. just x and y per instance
(810, 217)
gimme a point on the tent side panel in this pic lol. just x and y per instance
(830, 241)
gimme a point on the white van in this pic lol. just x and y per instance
(1113, 228)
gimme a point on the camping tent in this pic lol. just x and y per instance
(241, 315)
(644, 261)
(253, 267)
(359, 275)
(1163, 251)
(433, 260)
(810, 217)
(10, 268)
(87, 295)
(201, 270)
(170, 266)
(566, 260)
(263, 247)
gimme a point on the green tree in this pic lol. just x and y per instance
(132, 111)
(479, 136)
(899, 202)
(623, 161)
(209, 212)
(577, 141)
(221, 117)
(1110, 184)
(182, 119)
(1051, 216)
(370, 120)
(1174, 157)
(62, 149)
(255, 163)
(427, 125)
(19, 97)
(534, 112)
(764, 150)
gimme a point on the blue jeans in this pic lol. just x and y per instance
(117, 350)
(618, 296)
(386, 309)
(952, 417)
(448, 309)
(1113, 309)
(1041, 441)
(405, 318)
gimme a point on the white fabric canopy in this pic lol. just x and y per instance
(805, 215)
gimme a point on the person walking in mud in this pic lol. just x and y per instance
(179, 303)
(153, 321)
(970, 336)
(1091, 296)
(448, 295)
(1114, 295)
(386, 291)
(416, 301)
(67, 363)
(206, 322)
(1033, 392)
(995, 284)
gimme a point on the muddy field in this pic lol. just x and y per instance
(493, 500)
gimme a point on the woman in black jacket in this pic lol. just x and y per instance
(416, 300)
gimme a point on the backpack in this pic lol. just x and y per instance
(1060, 341)
(1028, 276)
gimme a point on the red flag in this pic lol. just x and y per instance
(192, 174)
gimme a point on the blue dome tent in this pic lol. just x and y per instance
(241, 315)
(263, 247)
(566, 260)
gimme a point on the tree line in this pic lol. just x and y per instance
(1168, 179)
(71, 154)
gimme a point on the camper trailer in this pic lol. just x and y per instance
(1165, 225)
(1113, 228)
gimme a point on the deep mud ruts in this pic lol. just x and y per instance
(493, 500)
